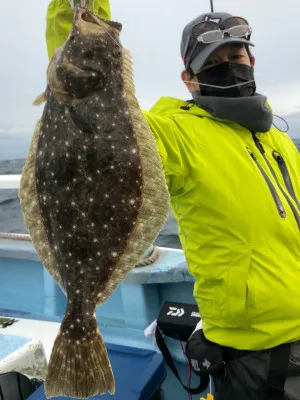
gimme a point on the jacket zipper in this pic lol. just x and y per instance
(286, 176)
(271, 187)
(262, 151)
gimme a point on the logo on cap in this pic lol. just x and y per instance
(208, 18)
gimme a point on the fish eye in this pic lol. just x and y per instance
(118, 52)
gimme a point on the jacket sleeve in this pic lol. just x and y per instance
(169, 143)
(59, 21)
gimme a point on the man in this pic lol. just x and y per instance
(234, 182)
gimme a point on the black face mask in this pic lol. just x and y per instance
(227, 74)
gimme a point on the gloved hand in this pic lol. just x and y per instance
(205, 357)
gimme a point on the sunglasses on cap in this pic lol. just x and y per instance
(207, 32)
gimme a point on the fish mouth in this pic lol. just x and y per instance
(86, 23)
(87, 17)
(83, 14)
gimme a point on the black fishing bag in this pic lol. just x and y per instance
(16, 386)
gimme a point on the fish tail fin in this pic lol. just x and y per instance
(79, 365)
(40, 99)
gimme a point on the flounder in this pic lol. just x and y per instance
(92, 192)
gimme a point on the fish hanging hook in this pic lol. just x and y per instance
(212, 5)
(81, 4)
(84, 4)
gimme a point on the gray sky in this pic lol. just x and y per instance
(152, 32)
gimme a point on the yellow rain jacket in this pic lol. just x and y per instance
(238, 214)
(60, 18)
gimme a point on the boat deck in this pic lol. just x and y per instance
(29, 294)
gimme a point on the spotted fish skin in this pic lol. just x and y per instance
(88, 169)
(92, 192)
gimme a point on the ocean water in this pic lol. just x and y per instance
(11, 218)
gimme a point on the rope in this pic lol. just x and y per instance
(4, 235)
(149, 260)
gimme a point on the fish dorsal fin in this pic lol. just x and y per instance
(40, 99)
